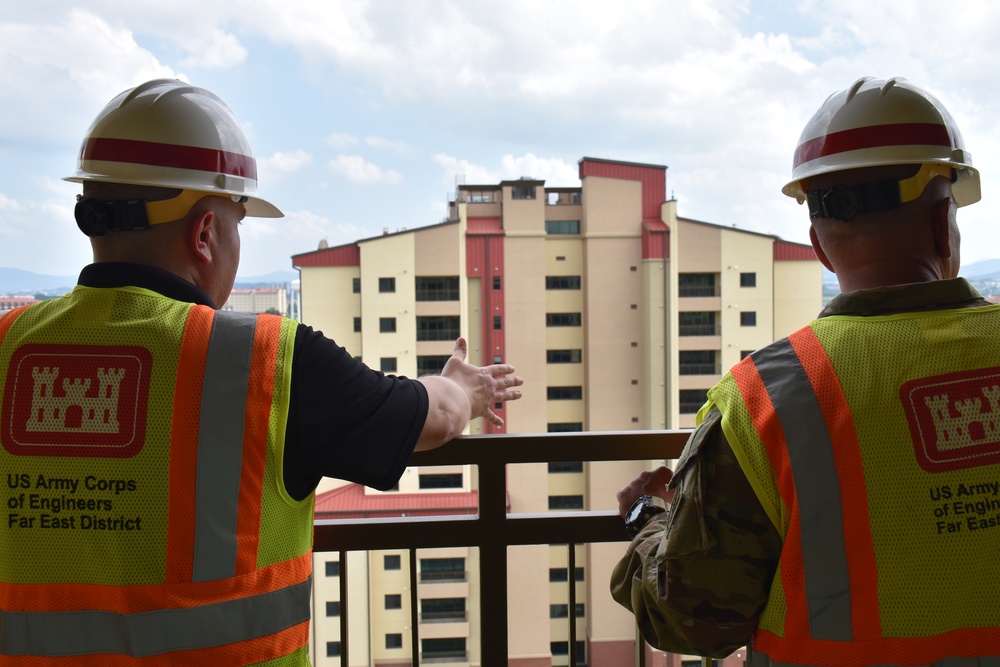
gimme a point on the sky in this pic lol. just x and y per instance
(364, 115)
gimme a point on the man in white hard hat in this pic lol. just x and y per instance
(161, 454)
(838, 503)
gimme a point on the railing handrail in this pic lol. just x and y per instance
(494, 528)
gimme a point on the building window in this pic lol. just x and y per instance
(564, 393)
(562, 610)
(698, 362)
(562, 226)
(442, 569)
(748, 280)
(394, 640)
(333, 608)
(356, 285)
(333, 649)
(386, 284)
(561, 574)
(563, 319)
(387, 324)
(697, 284)
(444, 327)
(496, 283)
(437, 610)
(497, 323)
(437, 288)
(562, 648)
(562, 282)
(563, 356)
(565, 466)
(431, 364)
(441, 481)
(448, 649)
(565, 502)
(393, 601)
(391, 562)
(387, 364)
(698, 323)
(332, 568)
(748, 318)
(691, 400)
(357, 324)
(565, 427)
(523, 192)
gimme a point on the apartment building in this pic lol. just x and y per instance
(618, 314)
(258, 300)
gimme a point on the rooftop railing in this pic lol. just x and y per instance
(493, 529)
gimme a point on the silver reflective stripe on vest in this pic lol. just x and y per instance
(810, 452)
(220, 445)
(154, 632)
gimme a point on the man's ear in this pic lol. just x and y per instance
(941, 226)
(201, 235)
(814, 239)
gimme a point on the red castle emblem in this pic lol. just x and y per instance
(76, 400)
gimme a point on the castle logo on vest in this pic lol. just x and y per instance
(954, 419)
(76, 400)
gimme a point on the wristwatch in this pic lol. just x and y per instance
(642, 510)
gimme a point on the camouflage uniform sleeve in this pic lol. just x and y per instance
(698, 577)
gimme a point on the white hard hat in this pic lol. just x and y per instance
(875, 123)
(167, 133)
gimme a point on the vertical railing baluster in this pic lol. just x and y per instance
(572, 604)
(343, 610)
(414, 611)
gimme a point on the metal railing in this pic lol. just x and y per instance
(493, 530)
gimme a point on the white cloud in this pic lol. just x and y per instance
(358, 170)
(387, 144)
(287, 162)
(214, 49)
(554, 171)
(338, 140)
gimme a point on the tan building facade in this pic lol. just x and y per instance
(618, 314)
(258, 300)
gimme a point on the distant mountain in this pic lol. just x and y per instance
(984, 269)
(19, 282)
(242, 282)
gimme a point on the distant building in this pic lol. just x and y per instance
(258, 300)
(12, 302)
(619, 314)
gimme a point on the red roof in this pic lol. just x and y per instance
(351, 502)
(345, 255)
(788, 251)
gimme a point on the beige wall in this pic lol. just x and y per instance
(330, 305)
(389, 257)
(746, 253)
(798, 295)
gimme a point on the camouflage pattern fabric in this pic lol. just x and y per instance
(698, 577)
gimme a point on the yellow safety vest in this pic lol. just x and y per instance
(873, 443)
(146, 521)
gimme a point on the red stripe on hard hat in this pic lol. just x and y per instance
(170, 155)
(875, 136)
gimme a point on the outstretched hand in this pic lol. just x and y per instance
(484, 385)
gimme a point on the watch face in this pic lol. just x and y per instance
(636, 512)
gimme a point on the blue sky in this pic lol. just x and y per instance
(364, 115)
